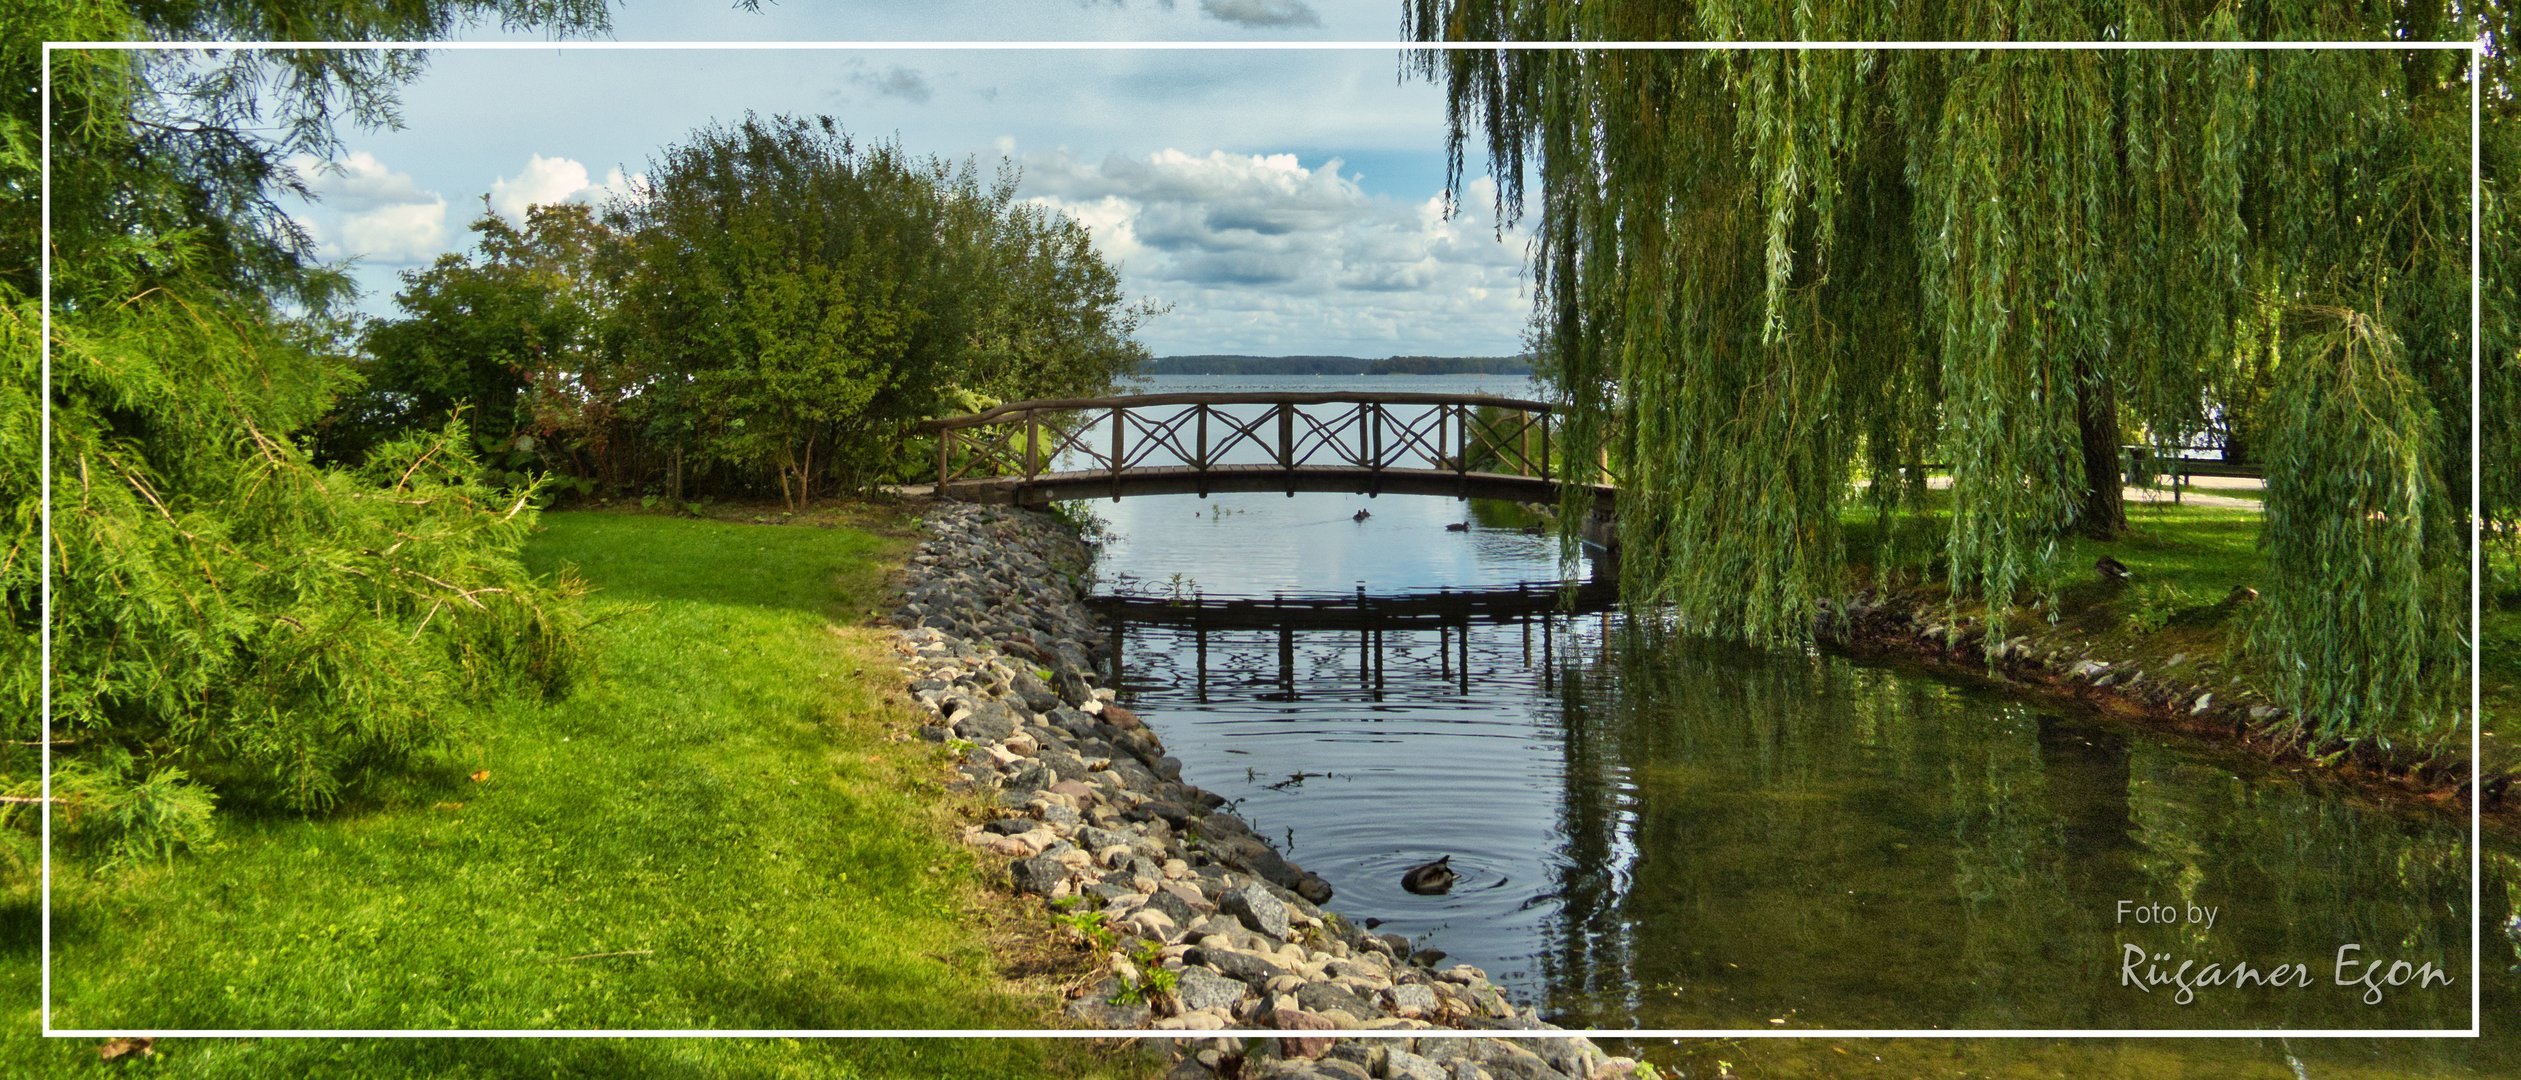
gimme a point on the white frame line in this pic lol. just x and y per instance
(2476, 528)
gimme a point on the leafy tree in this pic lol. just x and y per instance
(773, 308)
(517, 338)
(1765, 275)
(804, 287)
(228, 612)
(1053, 322)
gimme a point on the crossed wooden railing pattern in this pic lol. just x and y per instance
(1462, 434)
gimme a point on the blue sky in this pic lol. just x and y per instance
(1279, 201)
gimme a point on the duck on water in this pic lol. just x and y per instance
(1429, 879)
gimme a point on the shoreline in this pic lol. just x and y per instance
(2195, 702)
(1198, 925)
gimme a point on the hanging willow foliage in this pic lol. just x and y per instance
(2349, 486)
(2499, 386)
(1770, 282)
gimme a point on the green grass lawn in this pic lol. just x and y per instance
(721, 828)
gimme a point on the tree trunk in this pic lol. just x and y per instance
(2104, 513)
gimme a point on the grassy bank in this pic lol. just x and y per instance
(720, 829)
(2179, 615)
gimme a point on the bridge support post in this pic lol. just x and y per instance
(1200, 454)
(1374, 448)
(1119, 420)
(1287, 445)
(1546, 470)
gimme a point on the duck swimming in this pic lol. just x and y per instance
(1458, 526)
(1361, 515)
(1429, 879)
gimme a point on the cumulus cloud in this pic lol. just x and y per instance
(1261, 253)
(365, 211)
(1266, 13)
(555, 179)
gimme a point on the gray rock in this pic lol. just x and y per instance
(1198, 989)
(1172, 906)
(1039, 874)
(1324, 997)
(1190, 1068)
(1096, 1008)
(1258, 910)
(1094, 839)
(1412, 999)
(1037, 695)
(991, 722)
(1031, 776)
(1240, 966)
(1364, 1053)
(1400, 1064)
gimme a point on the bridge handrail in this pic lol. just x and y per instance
(1323, 397)
(1470, 439)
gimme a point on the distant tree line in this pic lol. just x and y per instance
(770, 313)
(1227, 364)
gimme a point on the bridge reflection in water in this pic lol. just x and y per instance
(1402, 644)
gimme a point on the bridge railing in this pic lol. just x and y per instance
(1465, 434)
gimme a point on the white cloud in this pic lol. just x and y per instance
(368, 212)
(546, 180)
(1262, 253)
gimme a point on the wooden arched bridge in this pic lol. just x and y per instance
(1468, 446)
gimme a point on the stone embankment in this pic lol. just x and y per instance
(2198, 695)
(1201, 925)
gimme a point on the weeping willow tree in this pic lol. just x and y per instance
(1769, 282)
(2499, 389)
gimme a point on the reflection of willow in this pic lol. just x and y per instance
(1750, 837)
(2297, 877)
(2008, 875)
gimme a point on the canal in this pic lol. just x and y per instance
(1656, 833)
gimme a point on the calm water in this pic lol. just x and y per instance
(1655, 833)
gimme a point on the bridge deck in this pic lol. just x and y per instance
(1042, 489)
(1366, 612)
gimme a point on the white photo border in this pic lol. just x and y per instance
(2476, 54)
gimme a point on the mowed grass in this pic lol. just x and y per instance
(721, 828)
(2186, 560)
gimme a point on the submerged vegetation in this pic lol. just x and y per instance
(1870, 263)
